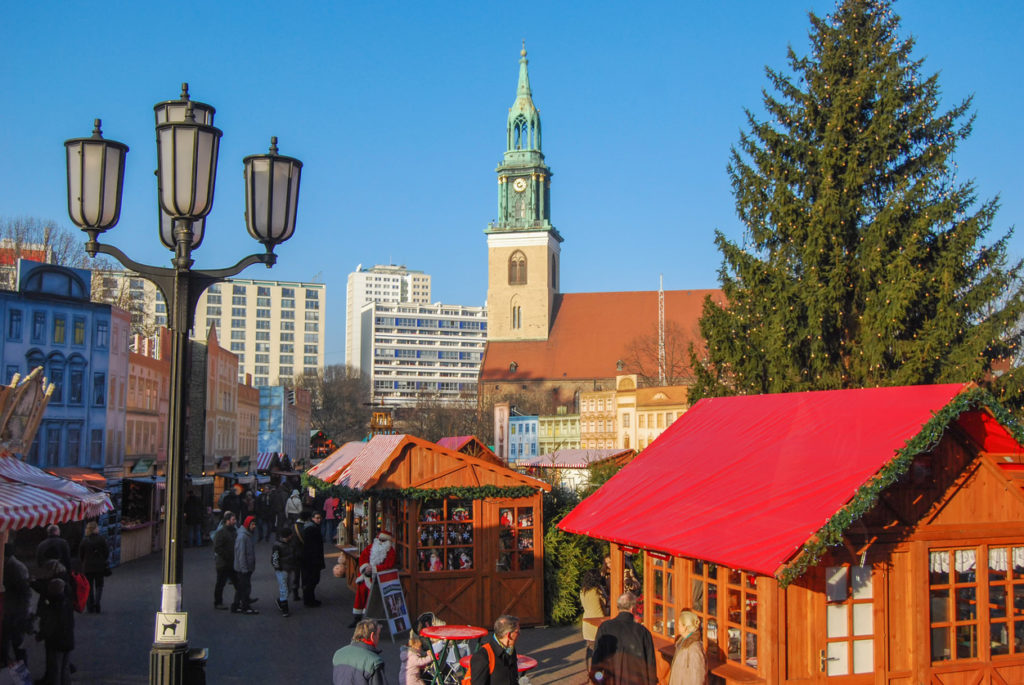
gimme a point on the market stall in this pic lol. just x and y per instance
(468, 532)
(854, 536)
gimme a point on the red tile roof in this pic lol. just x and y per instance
(591, 333)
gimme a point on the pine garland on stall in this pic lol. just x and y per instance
(831, 534)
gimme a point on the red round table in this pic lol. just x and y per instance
(525, 662)
(450, 634)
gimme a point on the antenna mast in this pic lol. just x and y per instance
(661, 329)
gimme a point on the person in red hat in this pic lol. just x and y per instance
(245, 564)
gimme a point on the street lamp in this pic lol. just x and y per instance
(187, 148)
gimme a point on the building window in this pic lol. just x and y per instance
(312, 295)
(74, 443)
(517, 268)
(238, 289)
(75, 385)
(625, 420)
(38, 327)
(14, 325)
(78, 332)
(517, 317)
(953, 601)
(663, 616)
(99, 389)
(11, 371)
(102, 334)
(262, 291)
(96, 446)
(849, 616)
(53, 445)
(57, 379)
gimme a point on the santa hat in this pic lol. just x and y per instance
(384, 533)
(247, 521)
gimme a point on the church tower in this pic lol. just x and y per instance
(523, 248)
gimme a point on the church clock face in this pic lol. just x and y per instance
(519, 185)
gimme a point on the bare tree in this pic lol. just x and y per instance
(39, 240)
(641, 356)
(339, 397)
(433, 419)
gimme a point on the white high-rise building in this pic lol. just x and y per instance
(423, 352)
(381, 283)
(277, 328)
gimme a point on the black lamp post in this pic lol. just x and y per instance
(187, 147)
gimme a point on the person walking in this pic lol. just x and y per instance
(297, 526)
(265, 514)
(224, 557)
(282, 559)
(56, 628)
(312, 560)
(360, 663)
(94, 554)
(624, 649)
(17, 598)
(293, 507)
(244, 565)
(330, 526)
(231, 499)
(689, 665)
(495, 662)
(54, 547)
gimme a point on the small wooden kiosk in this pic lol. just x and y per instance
(469, 533)
(843, 537)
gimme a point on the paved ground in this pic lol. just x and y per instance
(113, 647)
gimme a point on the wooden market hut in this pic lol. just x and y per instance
(471, 445)
(842, 537)
(469, 533)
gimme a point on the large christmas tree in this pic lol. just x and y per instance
(864, 260)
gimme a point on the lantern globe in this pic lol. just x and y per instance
(187, 167)
(95, 169)
(271, 195)
(167, 230)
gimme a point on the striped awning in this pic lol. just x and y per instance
(263, 460)
(30, 497)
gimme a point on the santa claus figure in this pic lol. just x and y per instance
(379, 555)
(363, 582)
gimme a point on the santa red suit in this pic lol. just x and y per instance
(377, 556)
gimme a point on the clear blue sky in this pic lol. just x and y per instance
(398, 111)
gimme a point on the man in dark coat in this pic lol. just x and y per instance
(231, 500)
(312, 559)
(624, 649)
(502, 645)
(54, 547)
(17, 597)
(224, 557)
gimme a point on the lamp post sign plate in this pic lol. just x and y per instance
(171, 627)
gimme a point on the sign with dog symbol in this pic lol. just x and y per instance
(171, 627)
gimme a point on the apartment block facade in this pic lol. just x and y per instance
(422, 352)
(277, 329)
(381, 283)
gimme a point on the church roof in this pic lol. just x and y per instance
(591, 333)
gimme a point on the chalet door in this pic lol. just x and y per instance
(846, 650)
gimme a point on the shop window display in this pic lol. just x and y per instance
(445, 535)
(515, 539)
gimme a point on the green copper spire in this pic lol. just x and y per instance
(524, 180)
(523, 91)
(523, 117)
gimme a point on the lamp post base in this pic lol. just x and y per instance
(167, 664)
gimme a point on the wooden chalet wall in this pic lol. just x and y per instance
(495, 584)
(877, 593)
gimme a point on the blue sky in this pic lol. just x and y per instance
(397, 110)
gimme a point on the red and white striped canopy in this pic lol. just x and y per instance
(30, 497)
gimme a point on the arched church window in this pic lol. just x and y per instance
(517, 317)
(517, 268)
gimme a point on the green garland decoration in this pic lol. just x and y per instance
(831, 534)
(347, 494)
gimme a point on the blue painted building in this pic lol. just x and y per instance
(522, 437)
(82, 346)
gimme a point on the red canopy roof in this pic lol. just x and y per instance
(30, 497)
(745, 481)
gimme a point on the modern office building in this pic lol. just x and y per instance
(381, 283)
(276, 328)
(424, 352)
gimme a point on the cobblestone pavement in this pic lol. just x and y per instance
(112, 648)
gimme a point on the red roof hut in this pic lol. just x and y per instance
(847, 537)
(469, 531)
